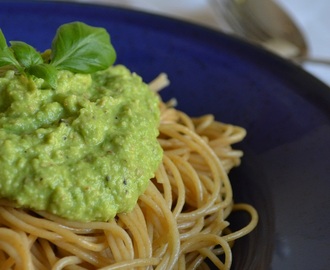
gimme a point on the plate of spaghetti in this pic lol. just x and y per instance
(245, 135)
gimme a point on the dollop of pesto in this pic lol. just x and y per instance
(84, 151)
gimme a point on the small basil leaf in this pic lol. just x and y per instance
(7, 57)
(81, 48)
(25, 54)
(3, 42)
(44, 71)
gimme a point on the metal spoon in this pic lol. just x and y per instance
(265, 23)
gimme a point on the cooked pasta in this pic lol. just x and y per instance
(179, 221)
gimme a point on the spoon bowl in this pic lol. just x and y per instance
(265, 23)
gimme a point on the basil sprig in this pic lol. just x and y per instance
(76, 47)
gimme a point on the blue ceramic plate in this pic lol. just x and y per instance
(286, 169)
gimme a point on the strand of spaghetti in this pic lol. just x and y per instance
(208, 186)
(38, 258)
(218, 204)
(229, 164)
(173, 234)
(245, 230)
(2, 256)
(62, 225)
(49, 253)
(119, 251)
(168, 116)
(160, 82)
(132, 264)
(151, 227)
(7, 263)
(208, 253)
(195, 260)
(62, 263)
(43, 228)
(185, 120)
(222, 137)
(201, 240)
(216, 128)
(219, 250)
(178, 131)
(80, 227)
(16, 245)
(203, 266)
(10, 250)
(216, 208)
(122, 239)
(203, 122)
(85, 255)
(195, 227)
(39, 264)
(215, 224)
(185, 225)
(181, 152)
(158, 220)
(229, 134)
(178, 183)
(135, 223)
(229, 158)
(169, 144)
(26, 241)
(215, 231)
(162, 178)
(158, 231)
(226, 153)
(194, 141)
(181, 263)
(191, 179)
(152, 206)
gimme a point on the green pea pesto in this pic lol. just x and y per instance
(84, 151)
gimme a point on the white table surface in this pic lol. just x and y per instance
(313, 17)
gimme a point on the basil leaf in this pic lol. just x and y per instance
(3, 42)
(25, 54)
(81, 48)
(44, 71)
(7, 57)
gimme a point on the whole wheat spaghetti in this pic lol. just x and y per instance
(180, 220)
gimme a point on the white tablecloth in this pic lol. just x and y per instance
(311, 16)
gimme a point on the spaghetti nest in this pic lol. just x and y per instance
(178, 222)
